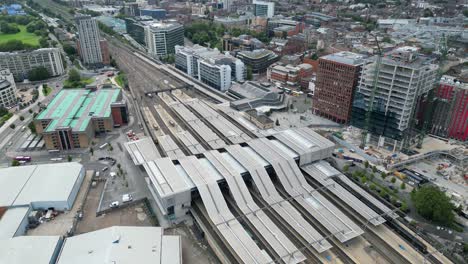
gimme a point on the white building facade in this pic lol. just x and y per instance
(264, 8)
(22, 62)
(161, 38)
(7, 89)
(89, 40)
(210, 66)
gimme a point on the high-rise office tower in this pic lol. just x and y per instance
(337, 78)
(161, 38)
(89, 44)
(264, 8)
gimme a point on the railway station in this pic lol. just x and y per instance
(255, 195)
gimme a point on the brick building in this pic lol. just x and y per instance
(337, 78)
(289, 74)
(75, 116)
(450, 118)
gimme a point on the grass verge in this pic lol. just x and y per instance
(23, 35)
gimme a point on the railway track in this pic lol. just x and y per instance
(395, 225)
(213, 238)
(184, 125)
(370, 235)
(292, 234)
(336, 249)
(250, 227)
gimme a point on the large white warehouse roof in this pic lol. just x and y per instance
(38, 183)
(122, 244)
(29, 249)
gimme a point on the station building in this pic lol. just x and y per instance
(75, 116)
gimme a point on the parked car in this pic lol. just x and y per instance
(127, 198)
(114, 204)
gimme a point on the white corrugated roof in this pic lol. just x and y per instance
(142, 150)
(50, 182)
(11, 220)
(46, 182)
(28, 249)
(118, 244)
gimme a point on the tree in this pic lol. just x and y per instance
(383, 175)
(402, 186)
(69, 49)
(14, 44)
(404, 207)
(15, 163)
(465, 13)
(74, 76)
(432, 204)
(43, 42)
(393, 180)
(69, 158)
(366, 164)
(38, 74)
(428, 13)
(314, 56)
(12, 126)
(32, 127)
(91, 150)
(374, 169)
(346, 168)
(8, 28)
(249, 72)
(21, 118)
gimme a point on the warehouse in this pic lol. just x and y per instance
(30, 249)
(122, 244)
(41, 186)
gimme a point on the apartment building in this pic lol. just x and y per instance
(259, 60)
(75, 116)
(337, 78)
(20, 63)
(89, 45)
(450, 116)
(210, 66)
(161, 38)
(7, 89)
(403, 76)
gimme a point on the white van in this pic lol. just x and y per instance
(127, 198)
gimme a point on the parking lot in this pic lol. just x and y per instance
(134, 215)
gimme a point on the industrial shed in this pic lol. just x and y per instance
(41, 186)
(122, 244)
(30, 249)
